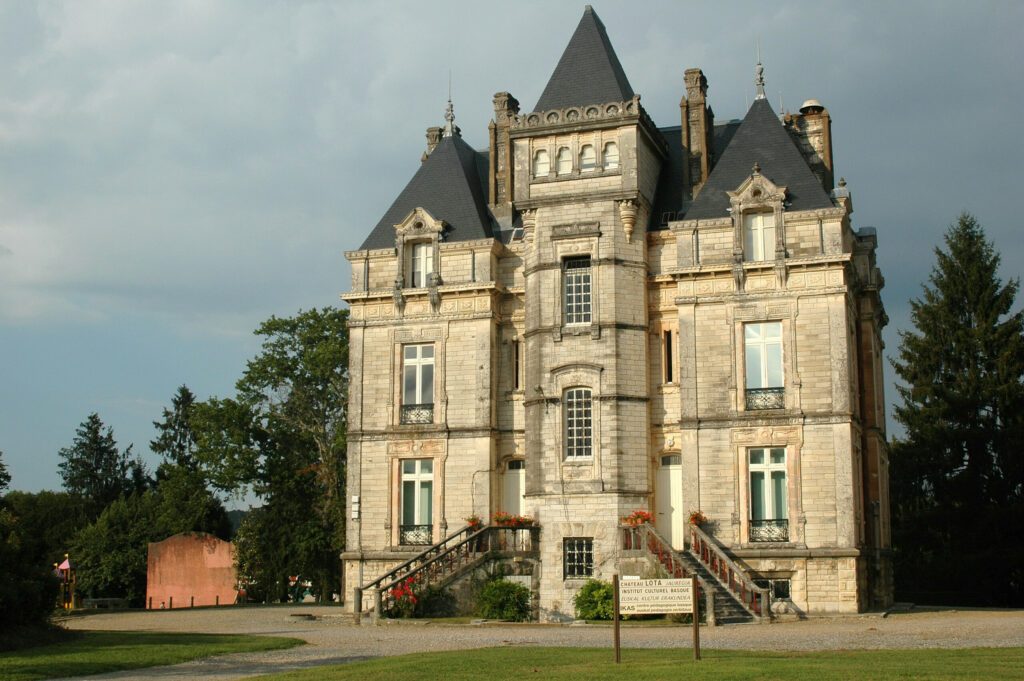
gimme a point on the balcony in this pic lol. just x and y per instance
(417, 414)
(769, 530)
(766, 398)
(416, 535)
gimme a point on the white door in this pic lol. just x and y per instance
(668, 500)
(512, 498)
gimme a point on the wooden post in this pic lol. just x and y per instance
(191, 601)
(216, 599)
(357, 604)
(170, 602)
(696, 620)
(615, 617)
(150, 606)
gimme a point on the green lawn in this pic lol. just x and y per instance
(523, 662)
(95, 652)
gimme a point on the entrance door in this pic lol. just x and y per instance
(668, 498)
(512, 498)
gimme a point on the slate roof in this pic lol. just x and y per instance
(589, 72)
(760, 138)
(450, 186)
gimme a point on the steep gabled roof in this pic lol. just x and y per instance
(761, 139)
(448, 186)
(588, 72)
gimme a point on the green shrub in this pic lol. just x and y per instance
(436, 601)
(504, 600)
(595, 601)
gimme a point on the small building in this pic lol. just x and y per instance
(191, 570)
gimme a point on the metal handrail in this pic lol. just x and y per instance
(655, 544)
(754, 598)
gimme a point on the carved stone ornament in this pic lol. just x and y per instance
(576, 229)
(627, 212)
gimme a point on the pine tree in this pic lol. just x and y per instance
(958, 474)
(5, 476)
(175, 440)
(96, 470)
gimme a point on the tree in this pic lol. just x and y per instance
(175, 440)
(111, 554)
(283, 436)
(5, 476)
(93, 468)
(958, 474)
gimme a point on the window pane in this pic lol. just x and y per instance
(768, 239)
(409, 351)
(757, 494)
(753, 364)
(426, 351)
(773, 357)
(779, 495)
(756, 457)
(408, 502)
(426, 466)
(409, 385)
(671, 460)
(408, 467)
(426, 503)
(778, 456)
(427, 388)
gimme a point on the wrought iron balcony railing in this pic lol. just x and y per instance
(766, 398)
(417, 413)
(769, 530)
(416, 535)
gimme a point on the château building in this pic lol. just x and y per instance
(596, 315)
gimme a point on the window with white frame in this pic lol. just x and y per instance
(759, 236)
(768, 494)
(564, 161)
(417, 502)
(588, 158)
(541, 163)
(576, 290)
(417, 383)
(762, 346)
(578, 413)
(421, 264)
(577, 557)
(610, 157)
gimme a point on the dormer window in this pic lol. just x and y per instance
(588, 158)
(758, 236)
(610, 156)
(421, 264)
(564, 160)
(541, 163)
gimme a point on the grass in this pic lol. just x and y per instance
(96, 652)
(523, 662)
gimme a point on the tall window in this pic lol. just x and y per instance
(611, 156)
(418, 383)
(577, 557)
(517, 365)
(564, 160)
(588, 158)
(576, 286)
(579, 433)
(666, 342)
(762, 345)
(417, 501)
(541, 164)
(759, 236)
(421, 265)
(768, 495)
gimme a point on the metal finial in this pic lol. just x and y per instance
(449, 121)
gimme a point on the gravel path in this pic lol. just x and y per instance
(332, 637)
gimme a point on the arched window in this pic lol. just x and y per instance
(611, 156)
(588, 158)
(541, 164)
(577, 404)
(564, 161)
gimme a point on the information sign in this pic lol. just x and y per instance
(655, 596)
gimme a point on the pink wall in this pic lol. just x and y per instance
(190, 569)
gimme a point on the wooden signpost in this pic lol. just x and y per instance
(655, 596)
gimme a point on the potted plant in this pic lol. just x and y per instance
(637, 517)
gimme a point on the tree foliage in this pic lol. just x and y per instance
(5, 476)
(176, 440)
(94, 468)
(283, 437)
(958, 474)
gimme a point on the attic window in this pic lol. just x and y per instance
(667, 217)
(588, 158)
(611, 156)
(564, 161)
(541, 164)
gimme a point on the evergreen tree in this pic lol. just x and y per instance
(5, 476)
(96, 470)
(175, 440)
(958, 475)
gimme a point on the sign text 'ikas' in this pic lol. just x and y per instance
(655, 596)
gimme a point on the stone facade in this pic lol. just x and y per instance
(658, 360)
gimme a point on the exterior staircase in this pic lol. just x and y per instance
(730, 595)
(445, 561)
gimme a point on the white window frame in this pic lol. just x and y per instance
(610, 156)
(577, 557)
(588, 158)
(421, 263)
(578, 423)
(771, 466)
(417, 476)
(423, 355)
(767, 345)
(758, 236)
(563, 161)
(577, 291)
(541, 163)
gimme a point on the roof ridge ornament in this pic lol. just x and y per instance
(450, 129)
(759, 80)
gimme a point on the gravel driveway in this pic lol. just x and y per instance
(332, 637)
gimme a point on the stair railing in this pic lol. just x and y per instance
(645, 538)
(710, 553)
(444, 560)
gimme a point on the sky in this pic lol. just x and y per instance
(173, 174)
